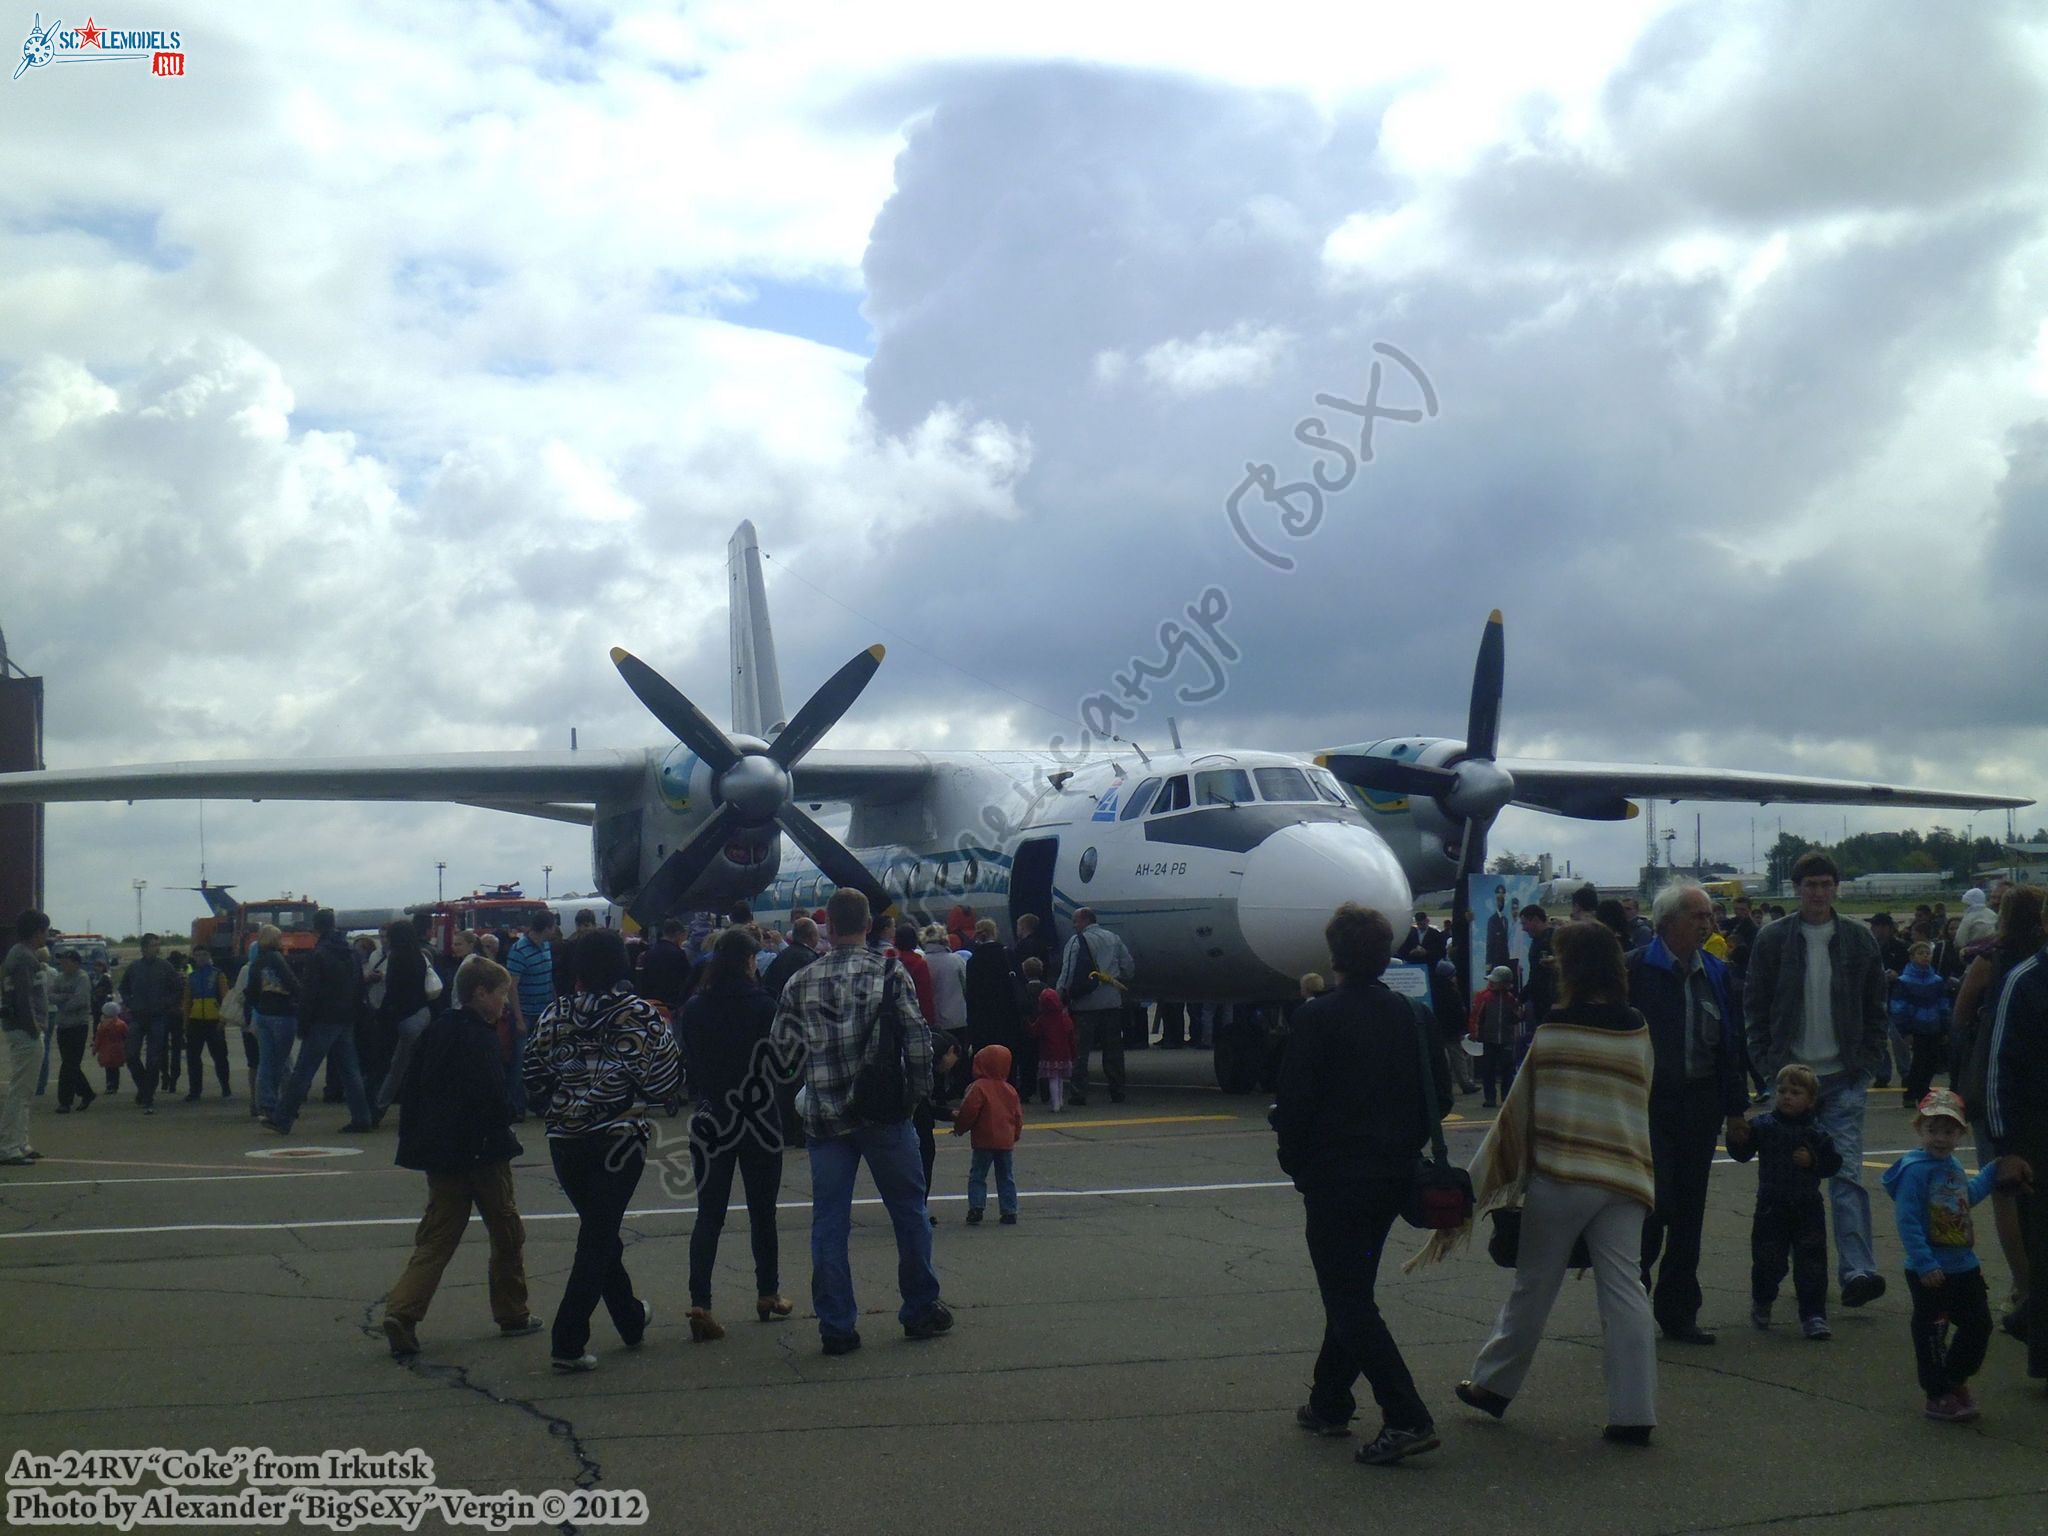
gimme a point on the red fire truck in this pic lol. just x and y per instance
(502, 906)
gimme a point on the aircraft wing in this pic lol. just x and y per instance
(516, 781)
(1597, 790)
(862, 778)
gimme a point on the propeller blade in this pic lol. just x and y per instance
(830, 855)
(1471, 852)
(1584, 805)
(662, 895)
(1388, 776)
(1489, 676)
(685, 721)
(822, 709)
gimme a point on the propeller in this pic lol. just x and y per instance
(1472, 790)
(751, 784)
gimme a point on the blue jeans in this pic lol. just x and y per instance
(892, 1159)
(274, 1033)
(337, 1040)
(1006, 1179)
(1842, 1099)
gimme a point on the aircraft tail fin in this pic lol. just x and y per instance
(756, 681)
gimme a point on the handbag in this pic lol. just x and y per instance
(1504, 1246)
(881, 1088)
(1441, 1197)
(234, 1008)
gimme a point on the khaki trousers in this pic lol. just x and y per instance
(488, 1187)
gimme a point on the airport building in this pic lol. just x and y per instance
(21, 826)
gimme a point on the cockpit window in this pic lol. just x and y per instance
(1140, 798)
(1328, 788)
(1287, 784)
(1173, 795)
(1222, 786)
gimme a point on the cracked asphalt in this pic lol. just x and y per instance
(1127, 1358)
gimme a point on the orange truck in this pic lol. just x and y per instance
(231, 926)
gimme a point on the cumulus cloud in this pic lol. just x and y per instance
(435, 378)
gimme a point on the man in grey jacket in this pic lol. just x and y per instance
(24, 1015)
(1097, 1006)
(1816, 995)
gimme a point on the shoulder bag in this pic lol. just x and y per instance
(881, 1088)
(1441, 1197)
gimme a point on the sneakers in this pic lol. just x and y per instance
(931, 1325)
(841, 1343)
(570, 1363)
(1760, 1317)
(1816, 1328)
(1008, 1219)
(1391, 1445)
(1948, 1409)
(1627, 1434)
(1688, 1333)
(974, 1216)
(647, 1322)
(1473, 1396)
(1861, 1290)
(399, 1334)
(519, 1330)
(1966, 1403)
(1316, 1424)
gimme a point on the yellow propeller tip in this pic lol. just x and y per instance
(878, 651)
(619, 654)
(1634, 811)
(627, 925)
(1322, 759)
(1494, 617)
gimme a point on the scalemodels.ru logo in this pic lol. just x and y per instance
(93, 43)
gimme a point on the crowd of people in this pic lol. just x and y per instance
(1622, 1055)
(1637, 1068)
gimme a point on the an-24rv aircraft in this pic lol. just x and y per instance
(1219, 868)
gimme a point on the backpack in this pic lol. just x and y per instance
(881, 1088)
(1085, 980)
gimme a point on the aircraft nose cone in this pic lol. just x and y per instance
(1297, 877)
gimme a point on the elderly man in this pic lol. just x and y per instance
(1091, 983)
(1696, 1093)
(1815, 995)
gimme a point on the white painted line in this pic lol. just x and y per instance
(288, 1154)
(180, 1178)
(631, 1216)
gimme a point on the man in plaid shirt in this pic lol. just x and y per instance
(829, 1010)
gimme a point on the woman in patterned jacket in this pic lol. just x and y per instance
(595, 1062)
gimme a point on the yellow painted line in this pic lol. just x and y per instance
(1063, 1123)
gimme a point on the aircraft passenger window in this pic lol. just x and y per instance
(1140, 797)
(1173, 795)
(1286, 784)
(1222, 786)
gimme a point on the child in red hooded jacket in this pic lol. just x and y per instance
(992, 1114)
(1054, 1031)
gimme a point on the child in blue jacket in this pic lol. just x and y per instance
(1932, 1196)
(1919, 1010)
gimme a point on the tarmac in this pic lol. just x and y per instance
(1127, 1358)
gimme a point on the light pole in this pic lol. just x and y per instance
(440, 868)
(140, 887)
(547, 874)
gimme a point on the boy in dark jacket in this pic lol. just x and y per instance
(452, 1127)
(1793, 1155)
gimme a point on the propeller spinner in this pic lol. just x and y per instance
(751, 784)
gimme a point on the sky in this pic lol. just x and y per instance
(362, 386)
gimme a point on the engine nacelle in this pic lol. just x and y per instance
(1424, 838)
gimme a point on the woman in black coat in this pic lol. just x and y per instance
(723, 1031)
(451, 1127)
(991, 993)
(408, 980)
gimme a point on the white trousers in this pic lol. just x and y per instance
(1553, 1216)
(24, 1052)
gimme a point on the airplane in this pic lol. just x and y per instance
(1219, 868)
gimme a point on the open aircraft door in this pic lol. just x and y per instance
(1031, 870)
